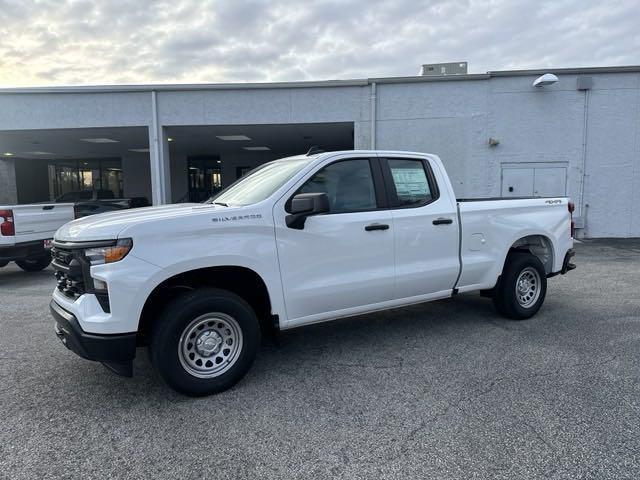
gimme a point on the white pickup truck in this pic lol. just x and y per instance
(297, 241)
(26, 232)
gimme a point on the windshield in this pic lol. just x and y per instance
(259, 183)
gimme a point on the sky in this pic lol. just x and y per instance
(69, 42)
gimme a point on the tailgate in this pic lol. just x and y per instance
(43, 219)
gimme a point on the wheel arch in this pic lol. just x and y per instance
(537, 244)
(241, 280)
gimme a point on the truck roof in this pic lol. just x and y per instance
(351, 152)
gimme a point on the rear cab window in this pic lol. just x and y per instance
(410, 182)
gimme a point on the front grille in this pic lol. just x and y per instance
(69, 272)
(73, 275)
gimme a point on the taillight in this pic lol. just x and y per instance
(572, 224)
(6, 227)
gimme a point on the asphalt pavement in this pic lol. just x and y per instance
(441, 390)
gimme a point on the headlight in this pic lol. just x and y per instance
(110, 253)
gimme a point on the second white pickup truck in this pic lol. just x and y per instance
(26, 233)
(297, 241)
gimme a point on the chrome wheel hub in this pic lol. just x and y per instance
(210, 345)
(528, 287)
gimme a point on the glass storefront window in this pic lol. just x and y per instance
(67, 178)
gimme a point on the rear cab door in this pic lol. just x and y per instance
(341, 262)
(425, 226)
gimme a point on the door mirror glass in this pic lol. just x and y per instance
(304, 205)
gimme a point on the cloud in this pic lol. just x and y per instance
(118, 41)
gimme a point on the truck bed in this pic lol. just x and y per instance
(36, 221)
(490, 226)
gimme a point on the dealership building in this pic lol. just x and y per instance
(497, 134)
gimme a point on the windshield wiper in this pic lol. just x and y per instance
(220, 203)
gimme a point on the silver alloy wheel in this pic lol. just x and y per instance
(210, 345)
(528, 287)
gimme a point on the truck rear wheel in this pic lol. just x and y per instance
(205, 341)
(34, 264)
(522, 287)
(3, 263)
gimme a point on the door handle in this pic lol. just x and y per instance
(442, 221)
(376, 226)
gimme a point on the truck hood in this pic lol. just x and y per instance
(107, 226)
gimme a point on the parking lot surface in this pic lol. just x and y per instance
(441, 390)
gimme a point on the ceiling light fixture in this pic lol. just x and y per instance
(38, 152)
(99, 140)
(256, 149)
(233, 138)
(139, 150)
(8, 154)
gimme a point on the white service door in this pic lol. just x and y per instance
(550, 182)
(334, 263)
(517, 182)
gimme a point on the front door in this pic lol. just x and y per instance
(342, 261)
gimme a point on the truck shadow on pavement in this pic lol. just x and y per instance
(400, 339)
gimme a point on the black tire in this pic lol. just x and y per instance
(169, 339)
(4, 263)
(34, 264)
(506, 299)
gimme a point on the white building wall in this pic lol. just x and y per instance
(263, 106)
(27, 111)
(453, 118)
(612, 184)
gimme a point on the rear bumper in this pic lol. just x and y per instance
(20, 251)
(567, 266)
(116, 352)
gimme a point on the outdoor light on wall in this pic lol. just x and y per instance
(544, 80)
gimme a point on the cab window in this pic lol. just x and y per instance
(348, 184)
(411, 182)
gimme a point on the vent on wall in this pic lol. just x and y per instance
(441, 69)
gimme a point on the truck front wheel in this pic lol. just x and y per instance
(522, 287)
(34, 264)
(205, 341)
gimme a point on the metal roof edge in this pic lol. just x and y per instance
(184, 87)
(567, 71)
(312, 84)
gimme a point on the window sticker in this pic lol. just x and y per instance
(410, 182)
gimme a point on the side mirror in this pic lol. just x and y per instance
(304, 205)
